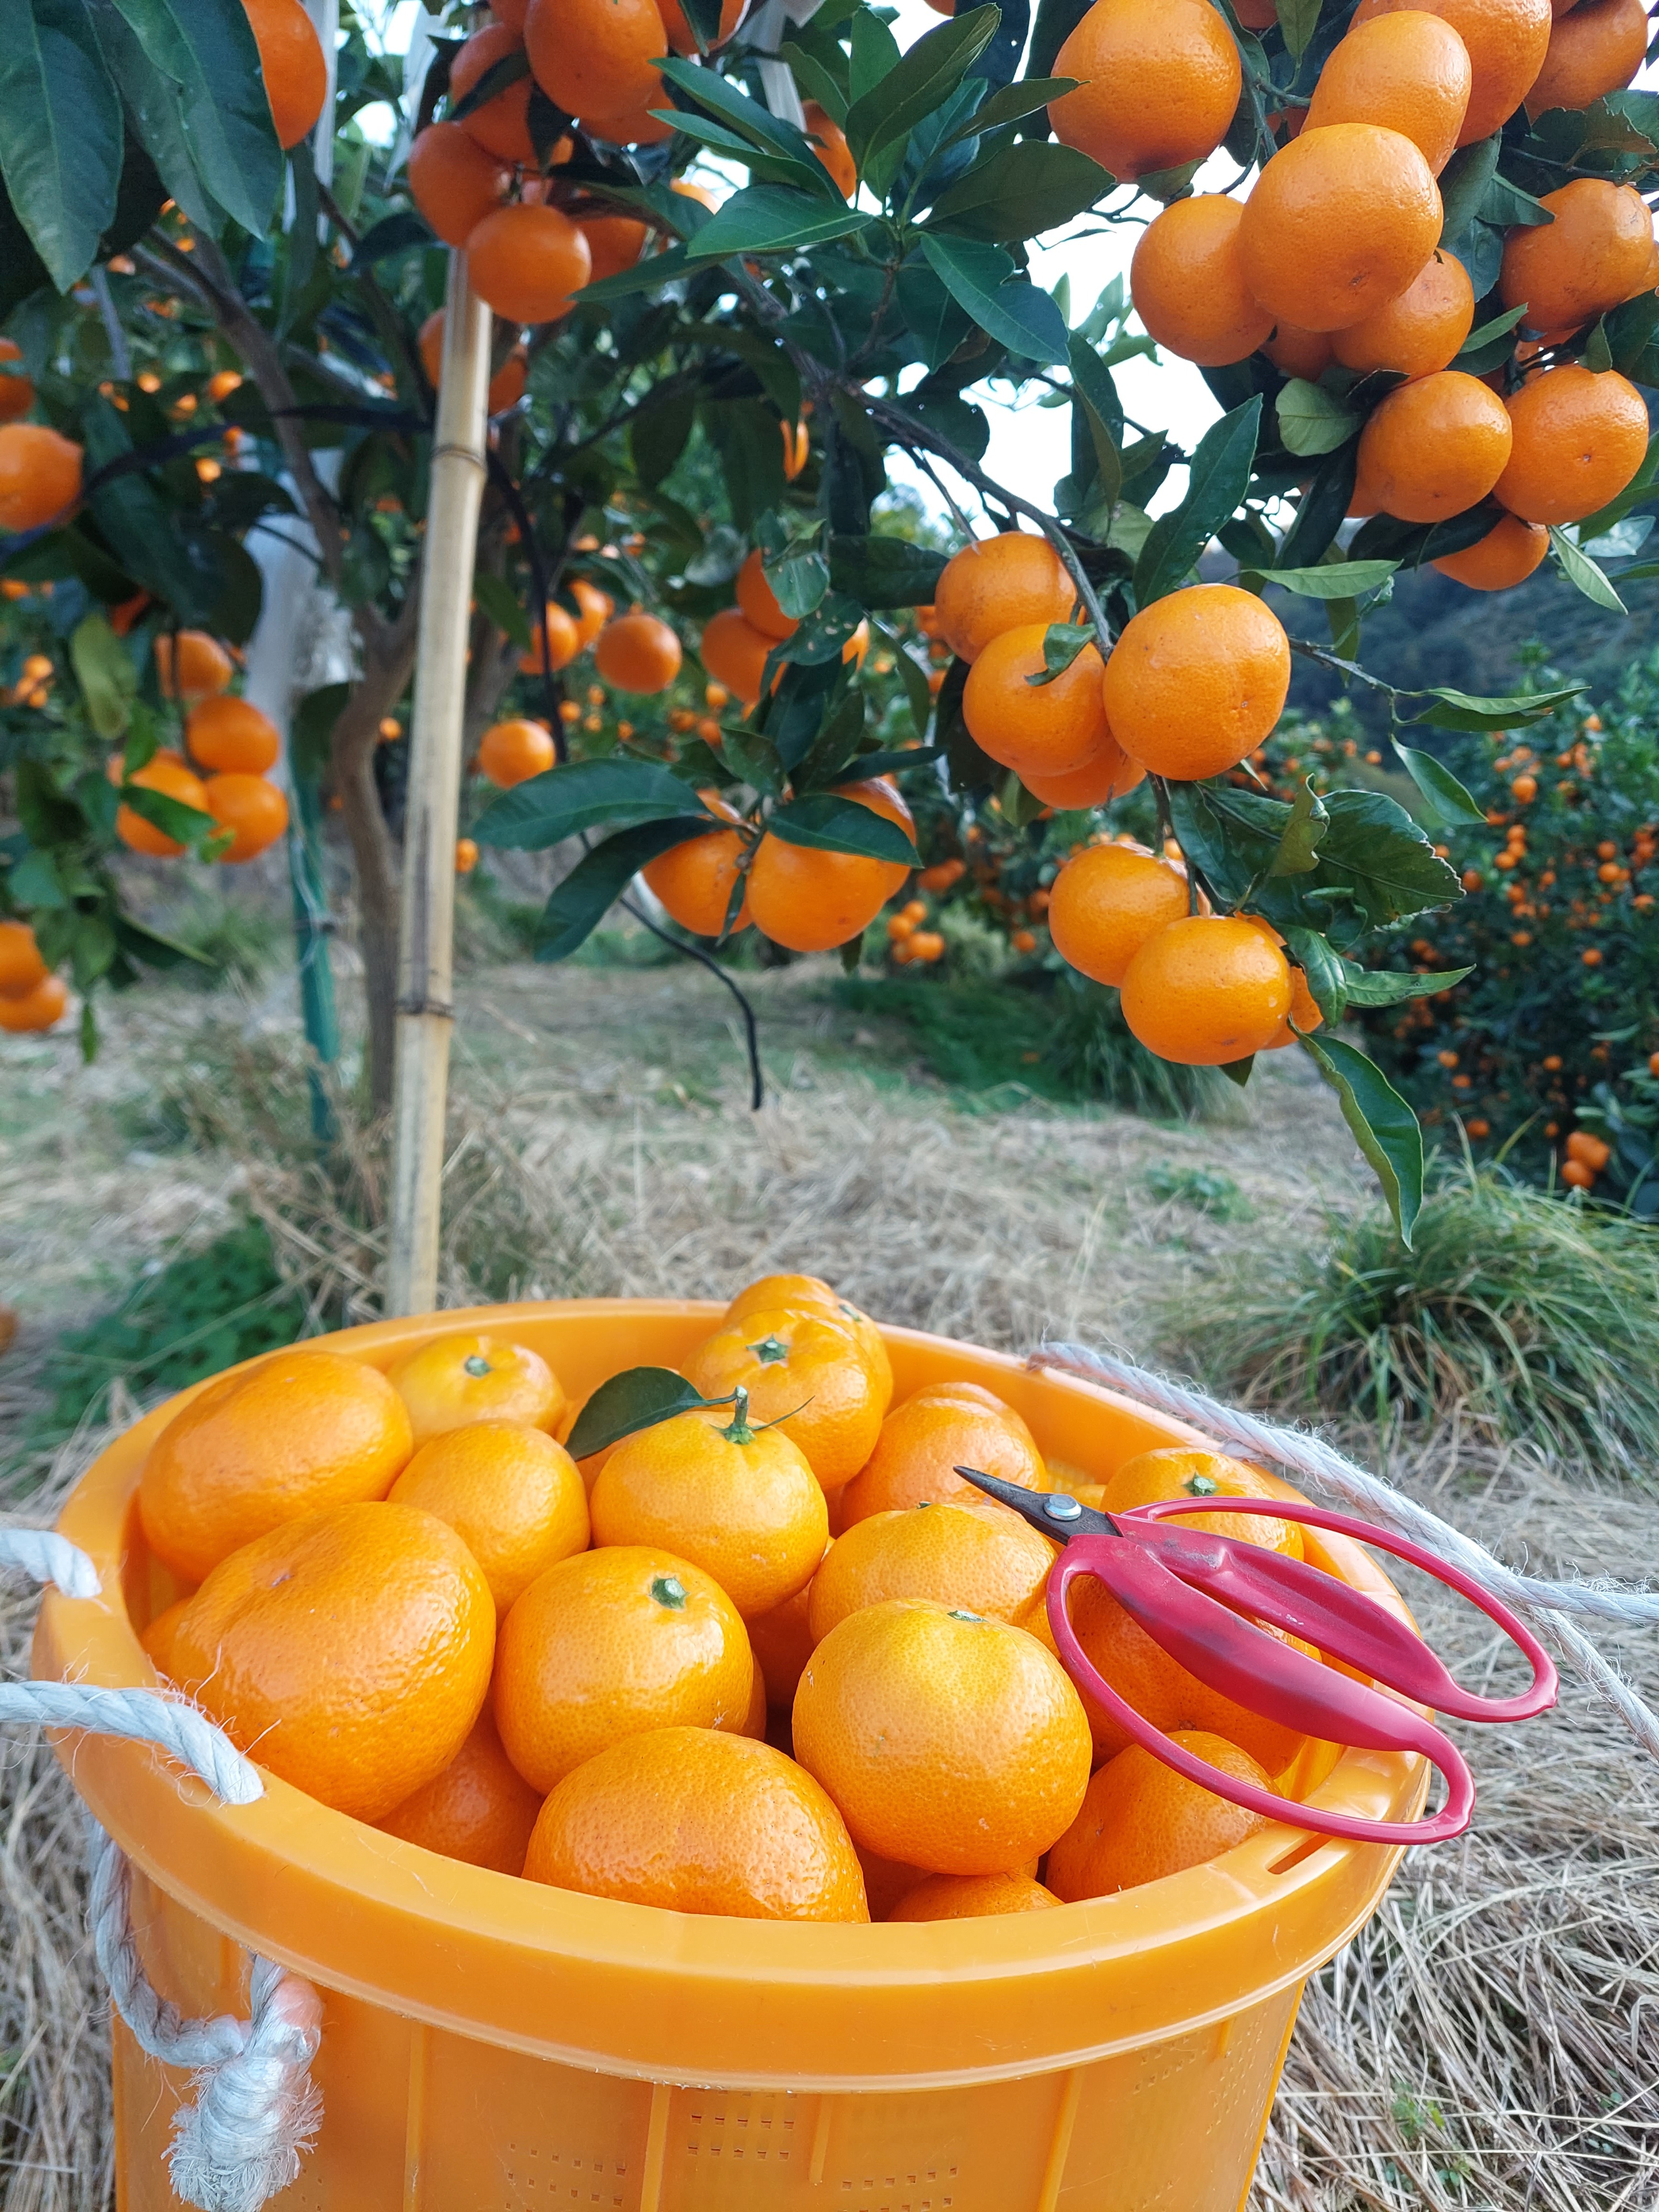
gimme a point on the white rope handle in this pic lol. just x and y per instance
(256, 2110)
(1547, 1606)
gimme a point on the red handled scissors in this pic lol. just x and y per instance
(1199, 1596)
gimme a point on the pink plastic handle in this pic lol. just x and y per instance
(1192, 1593)
(1303, 1600)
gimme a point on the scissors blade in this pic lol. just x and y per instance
(1057, 1515)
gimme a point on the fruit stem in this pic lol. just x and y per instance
(740, 1432)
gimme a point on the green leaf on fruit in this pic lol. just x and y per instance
(639, 1398)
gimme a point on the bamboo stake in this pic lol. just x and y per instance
(426, 946)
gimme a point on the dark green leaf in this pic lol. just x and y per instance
(500, 603)
(1094, 396)
(1300, 845)
(1459, 710)
(1446, 796)
(1463, 183)
(823, 633)
(875, 53)
(1341, 579)
(60, 132)
(1475, 356)
(580, 795)
(1056, 20)
(1217, 481)
(886, 572)
(773, 219)
(312, 730)
(770, 133)
(139, 942)
(981, 279)
(799, 576)
(392, 234)
(104, 670)
(600, 877)
(1505, 205)
(815, 80)
(1323, 508)
(1298, 20)
(1597, 355)
(1384, 1126)
(919, 84)
(1374, 851)
(185, 825)
(1061, 644)
(1326, 971)
(1239, 1071)
(140, 529)
(1388, 987)
(1628, 329)
(637, 1399)
(658, 435)
(1581, 571)
(1231, 836)
(937, 321)
(829, 823)
(1021, 191)
(500, 76)
(207, 49)
(1640, 487)
(1010, 105)
(1312, 419)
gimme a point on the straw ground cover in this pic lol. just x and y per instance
(1488, 2045)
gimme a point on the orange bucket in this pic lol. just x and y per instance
(493, 2045)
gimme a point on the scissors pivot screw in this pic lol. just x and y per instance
(1061, 1508)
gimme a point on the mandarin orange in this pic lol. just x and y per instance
(610, 1643)
(1051, 726)
(692, 1821)
(971, 1897)
(264, 1445)
(949, 1741)
(1408, 71)
(997, 584)
(1106, 902)
(1206, 991)
(1341, 221)
(984, 1561)
(1197, 680)
(1187, 280)
(1142, 1821)
(480, 1809)
(463, 1376)
(808, 1373)
(1158, 85)
(350, 1651)
(927, 1436)
(512, 1495)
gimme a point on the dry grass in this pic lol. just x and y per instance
(1488, 2045)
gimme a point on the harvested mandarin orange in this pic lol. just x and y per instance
(1185, 1471)
(972, 1897)
(513, 1497)
(264, 1445)
(480, 1809)
(461, 1376)
(695, 1822)
(1107, 901)
(924, 1440)
(886, 1881)
(949, 1741)
(613, 1642)
(806, 1372)
(997, 584)
(1197, 680)
(157, 1638)
(782, 1644)
(812, 1294)
(1025, 719)
(740, 1502)
(972, 1556)
(348, 1651)
(1141, 1820)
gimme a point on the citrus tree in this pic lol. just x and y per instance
(1424, 301)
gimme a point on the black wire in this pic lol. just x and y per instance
(757, 1082)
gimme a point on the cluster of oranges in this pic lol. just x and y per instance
(227, 737)
(30, 996)
(1194, 683)
(770, 1658)
(737, 641)
(1335, 258)
(907, 938)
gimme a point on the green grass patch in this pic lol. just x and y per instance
(1206, 1190)
(180, 1322)
(1528, 1318)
